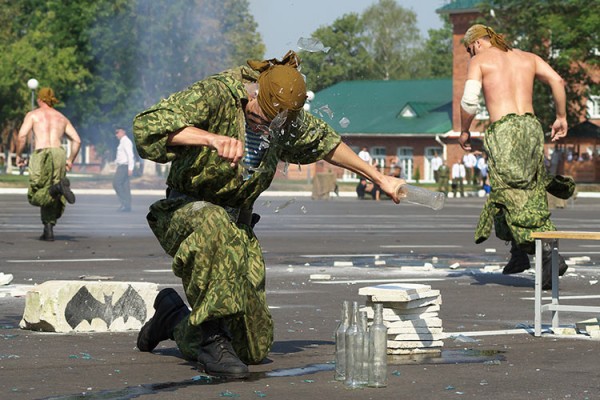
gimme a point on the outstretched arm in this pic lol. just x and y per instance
(549, 76)
(344, 157)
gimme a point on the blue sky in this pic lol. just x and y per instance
(282, 22)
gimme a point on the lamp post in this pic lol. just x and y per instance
(32, 84)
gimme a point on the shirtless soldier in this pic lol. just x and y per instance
(48, 186)
(517, 205)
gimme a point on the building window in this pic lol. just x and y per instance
(593, 106)
(378, 154)
(405, 158)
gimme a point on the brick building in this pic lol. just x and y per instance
(409, 121)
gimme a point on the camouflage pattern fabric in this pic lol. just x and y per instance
(517, 204)
(215, 105)
(220, 263)
(46, 168)
(443, 177)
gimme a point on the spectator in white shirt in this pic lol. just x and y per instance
(125, 162)
(436, 163)
(469, 162)
(458, 175)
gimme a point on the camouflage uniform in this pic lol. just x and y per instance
(204, 224)
(443, 177)
(518, 204)
(46, 168)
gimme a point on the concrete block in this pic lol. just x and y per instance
(398, 292)
(76, 306)
(393, 314)
(412, 344)
(407, 305)
(417, 336)
(405, 352)
(421, 323)
(414, 330)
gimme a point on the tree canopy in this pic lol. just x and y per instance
(381, 43)
(109, 59)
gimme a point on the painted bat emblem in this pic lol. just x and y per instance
(84, 306)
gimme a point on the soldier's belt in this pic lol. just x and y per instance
(236, 215)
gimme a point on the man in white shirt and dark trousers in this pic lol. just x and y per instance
(125, 162)
(458, 175)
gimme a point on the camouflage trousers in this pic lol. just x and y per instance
(517, 204)
(222, 269)
(46, 168)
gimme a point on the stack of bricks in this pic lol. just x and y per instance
(410, 312)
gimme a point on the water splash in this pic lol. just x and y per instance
(312, 45)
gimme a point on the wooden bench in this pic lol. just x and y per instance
(552, 238)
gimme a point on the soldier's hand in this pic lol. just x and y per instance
(228, 148)
(559, 129)
(465, 140)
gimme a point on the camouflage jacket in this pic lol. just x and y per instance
(215, 105)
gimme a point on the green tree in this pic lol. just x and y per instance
(394, 41)
(347, 58)
(437, 52)
(565, 33)
(109, 59)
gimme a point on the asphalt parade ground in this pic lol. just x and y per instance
(318, 253)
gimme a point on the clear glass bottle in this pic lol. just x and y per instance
(340, 342)
(364, 371)
(354, 350)
(421, 196)
(378, 350)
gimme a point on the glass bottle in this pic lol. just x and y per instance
(340, 343)
(421, 196)
(378, 350)
(364, 371)
(354, 350)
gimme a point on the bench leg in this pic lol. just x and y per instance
(555, 299)
(537, 319)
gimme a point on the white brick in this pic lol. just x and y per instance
(406, 305)
(411, 344)
(414, 330)
(417, 336)
(422, 323)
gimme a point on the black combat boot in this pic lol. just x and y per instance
(63, 188)
(170, 309)
(519, 260)
(216, 355)
(547, 266)
(48, 234)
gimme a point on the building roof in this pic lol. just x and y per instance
(460, 6)
(585, 129)
(402, 107)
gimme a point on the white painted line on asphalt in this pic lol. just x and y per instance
(344, 255)
(417, 246)
(158, 271)
(579, 252)
(529, 331)
(69, 260)
(378, 280)
(590, 296)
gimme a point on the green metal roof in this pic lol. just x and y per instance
(387, 107)
(458, 6)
